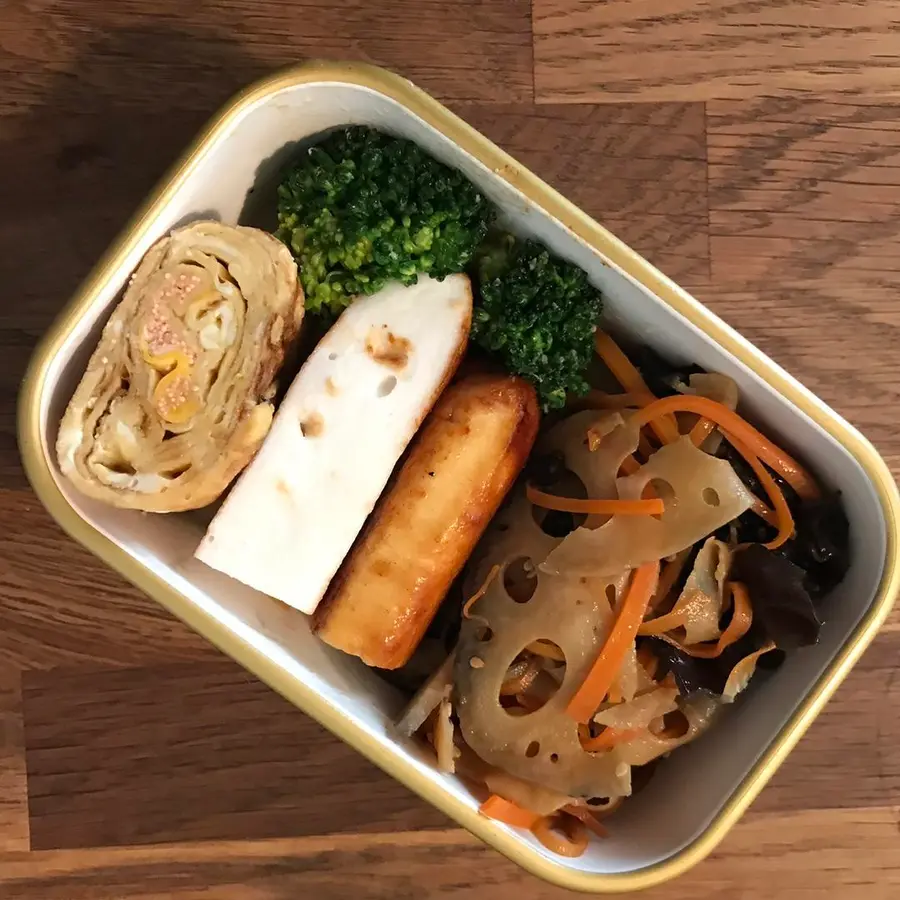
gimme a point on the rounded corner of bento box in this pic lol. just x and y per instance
(884, 487)
(320, 70)
(558, 873)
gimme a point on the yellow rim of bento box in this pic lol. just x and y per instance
(611, 250)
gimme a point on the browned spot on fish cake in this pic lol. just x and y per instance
(312, 425)
(388, 349)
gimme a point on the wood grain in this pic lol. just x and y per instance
(820, 331)
(122, 52)
(588, 52)
(802, 855)
(805, 190)
(639, 169)
(60, 606)
(192, 752)
(855, 737)
(13, 778)
(751, 153)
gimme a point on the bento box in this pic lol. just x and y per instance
(698, 793)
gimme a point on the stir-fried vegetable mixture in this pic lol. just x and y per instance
(659, 550)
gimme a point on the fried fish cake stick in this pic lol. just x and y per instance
(463, 461)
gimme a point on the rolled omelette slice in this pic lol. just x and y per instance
(176, 399)
(361, 395)
(458, 470)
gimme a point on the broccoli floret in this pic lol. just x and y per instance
(538, 314)
(363, 208)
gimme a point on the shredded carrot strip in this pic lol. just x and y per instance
(701, 431)
(623, 370)
(741, 620)
(629, 465)
(595, 507)
(467, 606)
(586, 816)
(573, 842)
(741, 674)
(734, 425)
(769, 516)
(631, 612)
(496, 807)
(784, 521)
(630, 378)
(609, 738)
(662, 624)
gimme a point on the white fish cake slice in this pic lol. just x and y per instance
(349, 415)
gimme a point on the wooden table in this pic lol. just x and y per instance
(751, 150)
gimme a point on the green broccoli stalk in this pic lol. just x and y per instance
(537, 314)
(362, 208)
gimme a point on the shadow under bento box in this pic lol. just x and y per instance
(699, 792)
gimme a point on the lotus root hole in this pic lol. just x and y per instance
(674, 725)
(659, 487)
(533, 693)
(532, 750)
(484, 634)
(710, 497)
(520, 579)
(552, 522)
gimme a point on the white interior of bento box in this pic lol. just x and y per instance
(231, 181)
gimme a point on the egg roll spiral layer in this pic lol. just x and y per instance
(176, 399)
